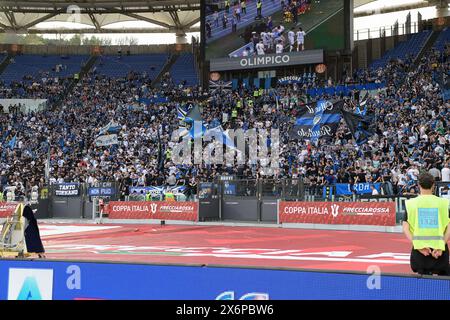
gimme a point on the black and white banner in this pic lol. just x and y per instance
(317, 120)
(66, 190)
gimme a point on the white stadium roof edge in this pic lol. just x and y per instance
(165, 16)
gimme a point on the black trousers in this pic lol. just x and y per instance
(428, 265)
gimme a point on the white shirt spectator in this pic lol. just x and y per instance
(279, 48)
(300, 36)
(291, 37)
(445, 173)
(260, 49)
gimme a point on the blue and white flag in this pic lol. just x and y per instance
(181, 113)
(106, 140)
(12, 143)
(363, 104)
(111, 127)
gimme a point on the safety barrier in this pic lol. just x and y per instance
(227, 199)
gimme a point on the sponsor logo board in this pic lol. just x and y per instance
(30, 284)
(358, 213)
(160, 210)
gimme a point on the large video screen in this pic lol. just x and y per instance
(239, 28)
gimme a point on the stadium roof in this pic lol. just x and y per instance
(173, 16)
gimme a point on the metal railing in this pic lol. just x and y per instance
(385, 31)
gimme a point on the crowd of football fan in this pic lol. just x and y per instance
(412, 132)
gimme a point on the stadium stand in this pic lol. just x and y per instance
(442, 40)
(406, 49)
(183, 70)
(118, 66)
(37, 66)
(412, 127)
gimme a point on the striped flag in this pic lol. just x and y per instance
(317, 120)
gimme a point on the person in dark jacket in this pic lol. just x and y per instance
(32, 235)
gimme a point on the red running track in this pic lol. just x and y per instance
(231, 246)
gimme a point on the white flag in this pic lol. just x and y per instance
(107, 140)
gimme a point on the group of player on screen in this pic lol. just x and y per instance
(274, 41)
(232, 14)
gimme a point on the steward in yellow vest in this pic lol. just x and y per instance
(244, 7)
(426, 226)
(169, 196)
(227, 6)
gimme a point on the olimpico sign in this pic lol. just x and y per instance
(264, 60)
(268, 60)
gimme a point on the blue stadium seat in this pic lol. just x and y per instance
(118, 67)
(410, 47)
(184, 70)
(42, 66)
(442, 40)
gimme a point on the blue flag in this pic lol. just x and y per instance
(111, 127)
(12, 142)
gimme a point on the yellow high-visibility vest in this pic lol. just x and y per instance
(169, 196)
(427, 219)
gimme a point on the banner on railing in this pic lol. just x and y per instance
(159, 190)
(66, 190)
(101, 192)
(357, 213)
(7, 209)
(346, 189)
(159, 210)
